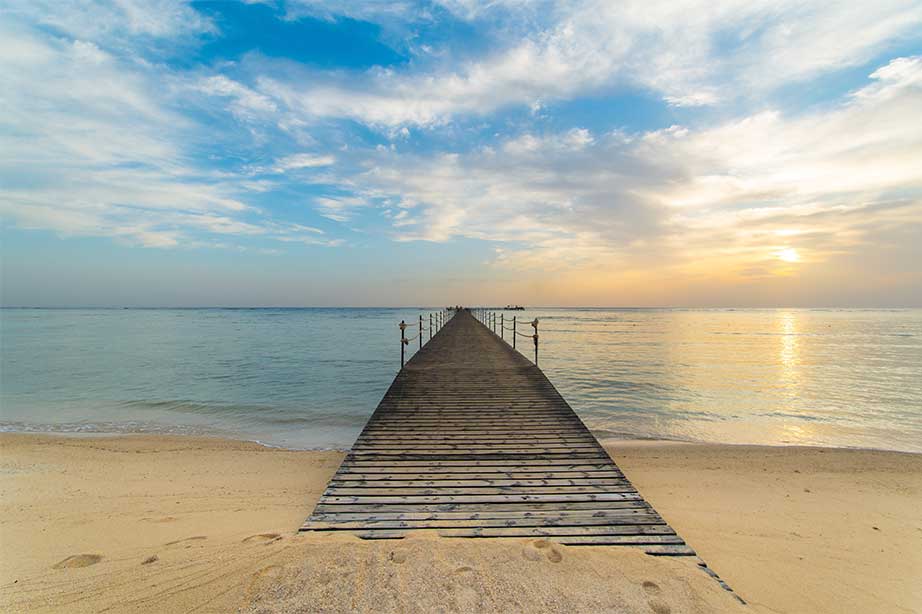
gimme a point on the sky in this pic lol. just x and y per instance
(386, 153)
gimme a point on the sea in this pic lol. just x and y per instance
(310, 378)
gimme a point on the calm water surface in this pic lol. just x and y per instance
(310, 378)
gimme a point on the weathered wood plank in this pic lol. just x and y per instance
(640, 509)
(338, 483)
(386, 491)
(480, 476)
(512, 498)
(634, 521)
(614, 539)
(533, 506)
(351, 464)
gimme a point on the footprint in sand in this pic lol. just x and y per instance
(151, 559)
(78, 560)
(264, 538)
(187, 540)
(261, 580)
(397, 556)
(531, 552)
(534, 550)
(652, 588)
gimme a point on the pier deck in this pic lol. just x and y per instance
(472, 440)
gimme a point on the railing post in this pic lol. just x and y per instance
(513, 332)
(430, 326)
(420, 331)
(501, 327)
(403, 341)
(535, 325)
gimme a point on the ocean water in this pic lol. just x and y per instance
(309, 378)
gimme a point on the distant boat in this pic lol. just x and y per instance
(513, 308)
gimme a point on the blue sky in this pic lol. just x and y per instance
(299, 152)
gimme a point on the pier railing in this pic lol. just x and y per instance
(437, 320)
(488, 317)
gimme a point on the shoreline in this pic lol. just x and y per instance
(605, 441)
(88, 523)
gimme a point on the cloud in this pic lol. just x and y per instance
(688, 53)
(821, 184)
(246, 104)
(339, 209)
(302, 160)
(121, 23)
(96, 147)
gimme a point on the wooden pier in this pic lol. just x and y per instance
(472, 440)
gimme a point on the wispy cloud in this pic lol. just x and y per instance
(688, 53)
(96, 146)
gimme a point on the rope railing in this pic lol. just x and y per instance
(437, 320)
(488, 318)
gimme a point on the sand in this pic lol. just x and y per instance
(171, 524)
(793, 529)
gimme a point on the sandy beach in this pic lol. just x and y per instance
(170, 524)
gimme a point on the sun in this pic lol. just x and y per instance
(788, 254)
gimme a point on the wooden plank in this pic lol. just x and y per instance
(639, 509)
(470, 491)
(516, 498)
(338, 483)
(354, 465)
(428, 437)
(657, 533)
(476, 508)
(635, 520)
(451, 452)
(614, 539)
(470, 476)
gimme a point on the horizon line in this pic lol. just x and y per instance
(494, 307)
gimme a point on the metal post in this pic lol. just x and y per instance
(501, 328)
(403, 340)
(420, 331)
(535, 325)
(513, 332)
(430, 326)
